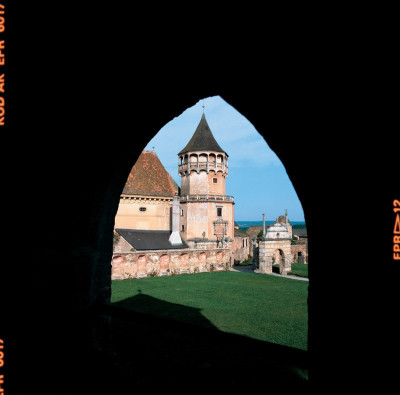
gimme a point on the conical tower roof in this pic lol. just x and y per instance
(202, 139)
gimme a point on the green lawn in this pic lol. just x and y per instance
(263, 307)
(299, 269)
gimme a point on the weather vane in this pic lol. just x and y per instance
(153, 148)
(203, 106)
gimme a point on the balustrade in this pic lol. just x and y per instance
(220, 198)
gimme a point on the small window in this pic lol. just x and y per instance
(182, 228)
(215, 180)
(181, 213)
(219, 211)
(142, 209)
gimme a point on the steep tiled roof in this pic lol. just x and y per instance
(177, 189)
(202, 139)
(149, 177)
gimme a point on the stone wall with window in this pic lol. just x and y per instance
(241, 247)
(300, 251)
(144, 212)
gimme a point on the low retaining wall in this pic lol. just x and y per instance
(140, 264)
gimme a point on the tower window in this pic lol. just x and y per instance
(219, 211)
(181, 213)
(215, 180)
(142, 209)
(182, 228)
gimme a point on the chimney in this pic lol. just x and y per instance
(175, 237)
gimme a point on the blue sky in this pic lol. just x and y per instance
(257, 178)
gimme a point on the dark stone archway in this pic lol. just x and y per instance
(80, 111)
(68, 278)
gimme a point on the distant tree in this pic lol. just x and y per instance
(299, 226)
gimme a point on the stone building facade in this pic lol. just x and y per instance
(275, 248)
(298, 245)
(146, 200)
(161, 229)
(207, 213)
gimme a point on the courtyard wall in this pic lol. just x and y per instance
(154, 263)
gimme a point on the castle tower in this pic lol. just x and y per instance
(206, 212)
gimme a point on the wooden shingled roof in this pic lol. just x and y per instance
(149, 177)
(202, 139)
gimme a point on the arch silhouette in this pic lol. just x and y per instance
(71, 188)
(82, 247)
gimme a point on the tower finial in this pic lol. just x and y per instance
(203, 106)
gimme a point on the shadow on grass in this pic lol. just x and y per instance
(192, 354)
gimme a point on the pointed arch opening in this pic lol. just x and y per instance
(215, 204)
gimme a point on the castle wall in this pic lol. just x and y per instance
(241, 247)
(195, 184)
(300, 247)
(154, 263)
(219, 187)
(157, 215)
(199, 216)
(203, 184)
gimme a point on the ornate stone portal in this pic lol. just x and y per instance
(274, 247)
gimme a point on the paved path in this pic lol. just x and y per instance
(248, 269)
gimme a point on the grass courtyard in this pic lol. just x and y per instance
(262, 307)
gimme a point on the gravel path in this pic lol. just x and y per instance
(248, 269)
